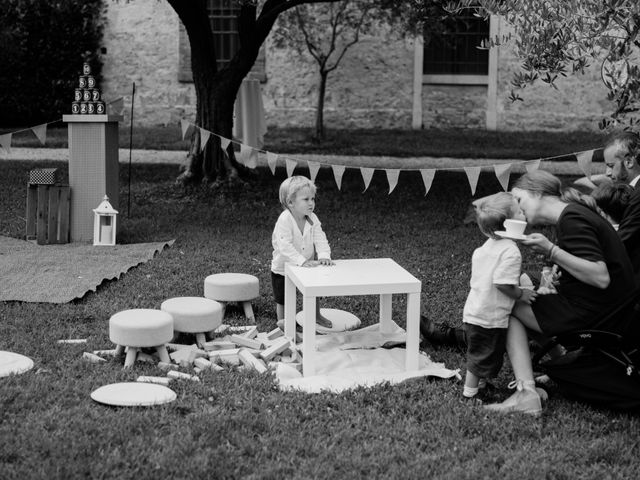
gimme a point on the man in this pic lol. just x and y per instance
(622, 159)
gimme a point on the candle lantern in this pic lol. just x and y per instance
(104, 223)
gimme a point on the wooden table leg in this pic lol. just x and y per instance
(309, 336)
(413, 331)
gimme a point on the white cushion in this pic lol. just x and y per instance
(231, 287)
(341, 320)
(193, 314)
(141, 327)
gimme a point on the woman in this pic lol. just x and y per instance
(596, 274)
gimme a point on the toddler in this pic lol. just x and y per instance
(297, 238)
(495, 277)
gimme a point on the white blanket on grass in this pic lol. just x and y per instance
(354, 359)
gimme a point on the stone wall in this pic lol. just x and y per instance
(373, 87)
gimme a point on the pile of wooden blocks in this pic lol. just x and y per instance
(244, 346)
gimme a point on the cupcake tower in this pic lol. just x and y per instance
(86, 100)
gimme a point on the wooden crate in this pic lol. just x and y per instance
(48, 213)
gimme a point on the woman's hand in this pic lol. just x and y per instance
(538, 243)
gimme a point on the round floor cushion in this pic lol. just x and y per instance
(231, 287)
(340, 319)
(193, 314)
(141, 327)
(14, 364)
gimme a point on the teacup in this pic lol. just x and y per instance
(514, 227)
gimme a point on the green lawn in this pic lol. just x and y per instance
(236, 424)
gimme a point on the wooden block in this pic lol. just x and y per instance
(263, 337)
(222, 328)
(145, 357)
(216, 368)
(218, 345)
(227, 356)
(275, 333)
(105, 353)
(197, 370)
(92, 357)
(252, 362)
(278, 347)
(167, 366)
(159, 380)
(251, 333)
(179, 346)
(202, 363)
(247, 342)
(73, 340)
(240, 329)
(182, 376)
(186, 356)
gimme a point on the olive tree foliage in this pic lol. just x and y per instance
(326, 31)
(216, 89)
(556, 38)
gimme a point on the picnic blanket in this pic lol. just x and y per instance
(61, 273)
(348, 360)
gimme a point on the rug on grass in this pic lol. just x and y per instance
(61, 273)
(348, 360)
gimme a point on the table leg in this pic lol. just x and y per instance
(309, 336)
(413, 331)
(386, 325)
(289, 309)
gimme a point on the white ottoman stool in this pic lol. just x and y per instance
(233, 287)
(138, 328)
(195, 315)
(341, 320)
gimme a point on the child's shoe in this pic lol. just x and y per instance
(526, 399)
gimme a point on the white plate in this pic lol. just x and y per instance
(512, 236)
(340, 319)
(14, 363)
(133, 394)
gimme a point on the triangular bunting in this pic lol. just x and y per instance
(248, 156)
(392, 178)
(427, 178)
(204, 138)
(5, 141)
(338, 171)
(584, 161)
(503, 171)
(473, 173)
(116, 106)
(532, 165)
(314, 167)
(272, 161)
(291, 166)
(41, 132)
(367, 175)
(184, 124)
(224, 144)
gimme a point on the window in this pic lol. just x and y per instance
(223, 15)
(453, 56)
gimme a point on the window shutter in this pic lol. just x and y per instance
(184, 56)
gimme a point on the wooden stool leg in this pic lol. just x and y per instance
(248, 311)
(163, 354)
(130, 359)
(200, 339)
(119, 350)
(224, 308)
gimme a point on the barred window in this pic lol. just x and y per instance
(223, 15)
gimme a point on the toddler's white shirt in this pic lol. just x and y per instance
(495, 262)
(290, 245)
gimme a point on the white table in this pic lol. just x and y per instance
(374, 276)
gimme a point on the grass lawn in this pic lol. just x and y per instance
(236, 424)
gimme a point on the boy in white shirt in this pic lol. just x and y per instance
(297, 238)
(495, 278)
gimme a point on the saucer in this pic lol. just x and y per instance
(512, 236)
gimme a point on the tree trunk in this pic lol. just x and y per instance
(322, 87)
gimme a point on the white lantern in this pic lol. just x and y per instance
(104, 223)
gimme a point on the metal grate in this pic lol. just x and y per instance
(223, 15)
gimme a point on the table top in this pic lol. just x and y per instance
(370, 276)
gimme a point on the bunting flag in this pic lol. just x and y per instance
(116, 107)
(392, 178)
(204, 138)
(503, 172)
(291, 166)
(184, 124)
(427, 179)
(272, 161)
(532, 165)
(367, 175)
(248, 156)
(313, 170)
(473, 173)
(5, 142)
(338, 170)
(224, 144)
(40, 132)
(584, 162)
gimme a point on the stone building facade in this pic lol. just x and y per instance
(380, 83)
